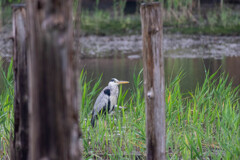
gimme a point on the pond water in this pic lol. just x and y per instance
(194, 69)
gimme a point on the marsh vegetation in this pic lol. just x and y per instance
(188, 17)
(180, 16)
(203, 123)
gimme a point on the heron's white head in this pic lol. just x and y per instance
(115, 82)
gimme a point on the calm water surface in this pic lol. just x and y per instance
(192, 68)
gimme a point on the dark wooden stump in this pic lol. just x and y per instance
(154, 90)
(21, 127)
(54, 125)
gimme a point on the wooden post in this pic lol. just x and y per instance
(54, 125)
(21, 136)
(154, 89)
(221, 4)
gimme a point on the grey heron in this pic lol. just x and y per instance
(107, 99)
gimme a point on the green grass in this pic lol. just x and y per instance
(214, 22)
(207, 30)
(179, 17)
(200, 125)
(103, 23)
(6, 112)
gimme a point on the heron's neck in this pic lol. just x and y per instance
(114, 89)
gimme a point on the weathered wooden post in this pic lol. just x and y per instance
(21, 137)
(53, 106)
(154, 89)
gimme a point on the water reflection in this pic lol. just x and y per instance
(232, 66)
(122, 69)
(194, 70)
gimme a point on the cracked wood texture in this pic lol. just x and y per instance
(21, 136)
(154, 91)
(53, 87)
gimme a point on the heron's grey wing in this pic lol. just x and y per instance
(103, 101)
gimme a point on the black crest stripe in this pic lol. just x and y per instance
(107, 92)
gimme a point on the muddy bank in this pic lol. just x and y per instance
(175, 45)
(6, 42)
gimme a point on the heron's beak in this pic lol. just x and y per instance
(123, 82)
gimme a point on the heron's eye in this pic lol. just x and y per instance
(112, 80)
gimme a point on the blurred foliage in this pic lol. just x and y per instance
(101, 23)
(224, 21)
(184, 16)
(6, 111)
(10, 1)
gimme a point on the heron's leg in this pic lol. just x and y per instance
(112, 110)
(121, 107)
(115, 106)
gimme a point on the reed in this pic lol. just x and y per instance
(183, 16)
(201, 124)
(6, 111)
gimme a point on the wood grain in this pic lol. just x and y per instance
(154, 90)
(20, 145)
(54, 120)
